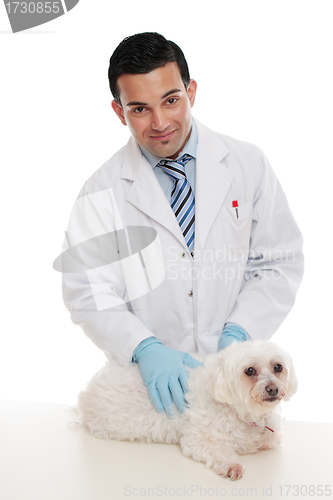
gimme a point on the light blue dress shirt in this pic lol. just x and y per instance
(166, 182)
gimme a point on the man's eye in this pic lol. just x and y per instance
(172, 100)
(250, 371)
(138, 110)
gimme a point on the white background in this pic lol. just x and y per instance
(264, 73)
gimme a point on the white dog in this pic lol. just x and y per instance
(232, 406)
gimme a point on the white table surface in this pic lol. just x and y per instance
(42, 458)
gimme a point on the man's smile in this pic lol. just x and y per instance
(163, 137)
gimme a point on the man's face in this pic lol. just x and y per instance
(156, 107)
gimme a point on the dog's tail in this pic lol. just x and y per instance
(75, 424)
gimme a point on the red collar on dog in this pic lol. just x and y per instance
(266, 426)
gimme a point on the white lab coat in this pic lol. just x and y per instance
(245, 270)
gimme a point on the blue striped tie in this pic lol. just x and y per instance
(182, 197)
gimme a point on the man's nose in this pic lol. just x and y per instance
(159, 121)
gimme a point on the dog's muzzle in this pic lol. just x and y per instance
(272, 391)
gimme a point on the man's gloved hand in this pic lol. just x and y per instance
(231, 333)
(164, 373)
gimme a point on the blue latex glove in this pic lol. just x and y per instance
(163, 372)
(231, 332)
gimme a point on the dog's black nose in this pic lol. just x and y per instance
(272, 390)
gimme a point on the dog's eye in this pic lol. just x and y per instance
(278, 368)
(250, 371)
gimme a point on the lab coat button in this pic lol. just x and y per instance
(183, 254)
(190, 293)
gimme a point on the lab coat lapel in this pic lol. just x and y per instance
(146, 193)
(213, 180)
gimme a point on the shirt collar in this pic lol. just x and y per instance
(190, 148)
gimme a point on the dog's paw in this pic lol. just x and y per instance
(232, 471)
(235, 471)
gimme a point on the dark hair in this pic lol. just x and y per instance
(142, 53)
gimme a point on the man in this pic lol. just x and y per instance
(229, 246)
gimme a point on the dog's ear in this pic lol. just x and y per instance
(220, 381)
(293, 383)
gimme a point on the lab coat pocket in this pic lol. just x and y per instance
(231, 232)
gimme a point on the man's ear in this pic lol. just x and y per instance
(191, 91)
(118, 109)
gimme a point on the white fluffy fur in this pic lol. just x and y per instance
(227, 411)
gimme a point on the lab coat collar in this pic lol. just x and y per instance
(213, 180)
(146, 193)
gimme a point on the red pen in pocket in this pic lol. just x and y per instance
(235, 205)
